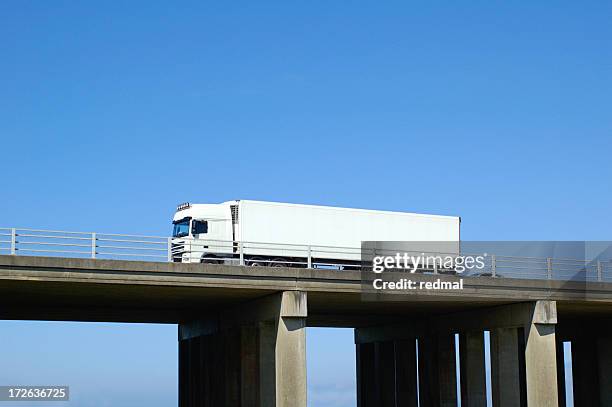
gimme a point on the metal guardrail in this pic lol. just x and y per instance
(59, 243)
(81, 244)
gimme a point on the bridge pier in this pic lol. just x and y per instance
(437, 370)
(523, 358)
(507, 367)
(252, 355)
(387, 368)
(541, 365)
(473, 374)
(386, 373)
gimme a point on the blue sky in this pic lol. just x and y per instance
(111, 114)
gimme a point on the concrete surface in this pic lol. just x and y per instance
(126, 291)
(249, 323)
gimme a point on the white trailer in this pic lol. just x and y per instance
(280, 234)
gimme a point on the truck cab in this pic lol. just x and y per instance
(201, 229)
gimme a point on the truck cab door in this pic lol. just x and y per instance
(198, 228)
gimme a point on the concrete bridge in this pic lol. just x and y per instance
(241, 330)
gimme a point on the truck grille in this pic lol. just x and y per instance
(177, 252)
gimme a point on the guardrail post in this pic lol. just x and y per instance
(13, 241)
(169, 250)
(549, 268)
(599, 271)
(241, 250)
(309, 255)
(93, 245)
(493, 266)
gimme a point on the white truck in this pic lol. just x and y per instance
(257, 233)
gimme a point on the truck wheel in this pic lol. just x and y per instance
(277, 263)
(255, 263)
(210, 260)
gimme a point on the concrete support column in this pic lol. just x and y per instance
(507, 379)
(386, 373)
(524, 357)
(585, 370)
(209, 369)
(384, 362)
(447, 370)
(376, 375)
(591, 361)
(290, 362)
(254, 356)
(541, 356)
(473, 375)
(428, 371)
(406, 373)
(367, 391)
(267, 363)
(249, 366)
(541, 366)
(604, 350)
(437, 371)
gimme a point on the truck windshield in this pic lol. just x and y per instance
(181, 228)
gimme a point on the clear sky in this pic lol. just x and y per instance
(112, 113)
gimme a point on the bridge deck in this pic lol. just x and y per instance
(52, 288)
